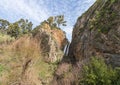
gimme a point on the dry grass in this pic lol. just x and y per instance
(26, 46)
(23, 63)
(15, 56)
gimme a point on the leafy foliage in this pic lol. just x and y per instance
(60, 20)
(19, 28)
(98, 73)
(25, 25)
(55, 21)
(15, 29)
(116, 79)
(3, 24)
(5, 38)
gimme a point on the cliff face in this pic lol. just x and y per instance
(96, 33)
(52, 42)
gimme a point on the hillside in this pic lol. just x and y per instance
(29, 57)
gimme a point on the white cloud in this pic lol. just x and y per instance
(29, 9)
(39, 10)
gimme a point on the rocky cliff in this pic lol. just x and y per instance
(52, 42)
(96, 33)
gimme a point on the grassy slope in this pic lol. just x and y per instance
(13, 63)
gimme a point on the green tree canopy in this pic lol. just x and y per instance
(60, 20)
(25, 25)
(19, 28)
(56, 21)
(3, 25)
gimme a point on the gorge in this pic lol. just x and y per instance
(96, 33)
(44, 55)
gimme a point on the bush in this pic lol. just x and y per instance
(116, 79)
(5, 38)
(98, 73)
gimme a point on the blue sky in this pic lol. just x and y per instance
(39, 10)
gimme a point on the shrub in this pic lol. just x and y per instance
(98, 73)
(5, 38)
(116, 79)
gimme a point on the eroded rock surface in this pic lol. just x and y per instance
(96, 33)
(52, 43)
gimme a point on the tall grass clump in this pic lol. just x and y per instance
(16, 56)
(26, 46)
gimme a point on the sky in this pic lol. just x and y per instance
(39, 10)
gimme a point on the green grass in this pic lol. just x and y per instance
(2, 68)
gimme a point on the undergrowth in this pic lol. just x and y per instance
(96, 72)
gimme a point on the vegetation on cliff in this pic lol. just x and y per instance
(53, 22)
(105, 18)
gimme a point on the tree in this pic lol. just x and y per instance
(60, 20)
(29, 26)
(56, 21)
(19, 28)
(25, 25)
(53, 22)
(3, 25)
(14, 30)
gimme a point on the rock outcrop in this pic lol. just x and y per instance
(52, 42)
(96, 33)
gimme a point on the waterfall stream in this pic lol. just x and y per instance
(66, 49)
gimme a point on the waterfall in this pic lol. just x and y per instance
(66, 49)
